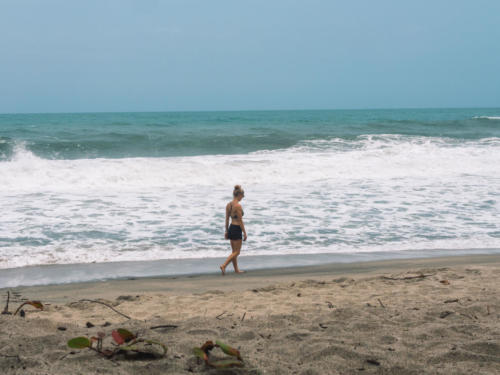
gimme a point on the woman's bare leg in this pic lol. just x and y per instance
(236, 252)
(236, 247)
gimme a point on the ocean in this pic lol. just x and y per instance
(129, 188)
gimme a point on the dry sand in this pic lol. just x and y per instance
(425, 316)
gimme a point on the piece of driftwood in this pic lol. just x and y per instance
(421, 276)
(381, 304)
(451, 300)
(164, 326)
(243, 317)
(6, 309)
(105, 304)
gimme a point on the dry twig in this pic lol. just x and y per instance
(219, 316)
(6, 309)
(105, 304)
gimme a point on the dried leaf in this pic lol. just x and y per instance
(206, 347)
(36, 304)
(79, 343)
(226, 363)
(107, 353)
(229, 350)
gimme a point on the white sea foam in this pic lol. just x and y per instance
(374, 193)
(374, 157)
(487, 117)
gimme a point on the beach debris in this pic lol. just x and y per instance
(451, 300)
(373, 361)
(444, 282)
(126, 342)
(89, 325)
(323, 326)
(243, 317)
(299, 294)
(6, 308)
(61, 328)
(164, 326)
(381, 304)
(419, 276)
(219, 317)
(105, 304)
(36, 304)
(203, 353)
(330, 305)
(444, 314)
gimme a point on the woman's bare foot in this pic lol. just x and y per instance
(223, 270)
(239, 271)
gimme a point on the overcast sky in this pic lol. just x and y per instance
(125, 55)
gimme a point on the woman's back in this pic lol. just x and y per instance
(235, 211)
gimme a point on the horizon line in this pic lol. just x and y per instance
(244, 110)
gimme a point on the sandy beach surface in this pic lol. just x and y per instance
(421, 316)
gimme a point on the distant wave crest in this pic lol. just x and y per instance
(487, 117)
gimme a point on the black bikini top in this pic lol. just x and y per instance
(235, 216)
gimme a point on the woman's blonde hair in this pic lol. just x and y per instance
(238, 191)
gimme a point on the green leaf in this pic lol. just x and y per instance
(226, 363)
(200, 353)
(79, 343)
(229, 350)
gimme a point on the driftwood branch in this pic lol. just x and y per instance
(421, 276)
(105, 304)
(164, 326)
(381, 304)
(6, 309)
(243, 317)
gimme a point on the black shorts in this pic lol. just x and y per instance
(235, 232)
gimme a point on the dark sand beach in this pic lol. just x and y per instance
(414, 316)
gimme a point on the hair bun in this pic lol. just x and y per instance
(237, 187)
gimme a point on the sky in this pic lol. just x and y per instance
(153, 55)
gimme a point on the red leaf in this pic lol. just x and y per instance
(117, 337)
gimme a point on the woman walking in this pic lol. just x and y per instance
(236, 231)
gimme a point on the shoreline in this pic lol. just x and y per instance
(199, 283)
(56, 274)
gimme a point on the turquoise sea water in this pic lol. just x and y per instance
(103, 187)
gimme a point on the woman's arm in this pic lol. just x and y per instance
(227, 221)
(242, 224)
